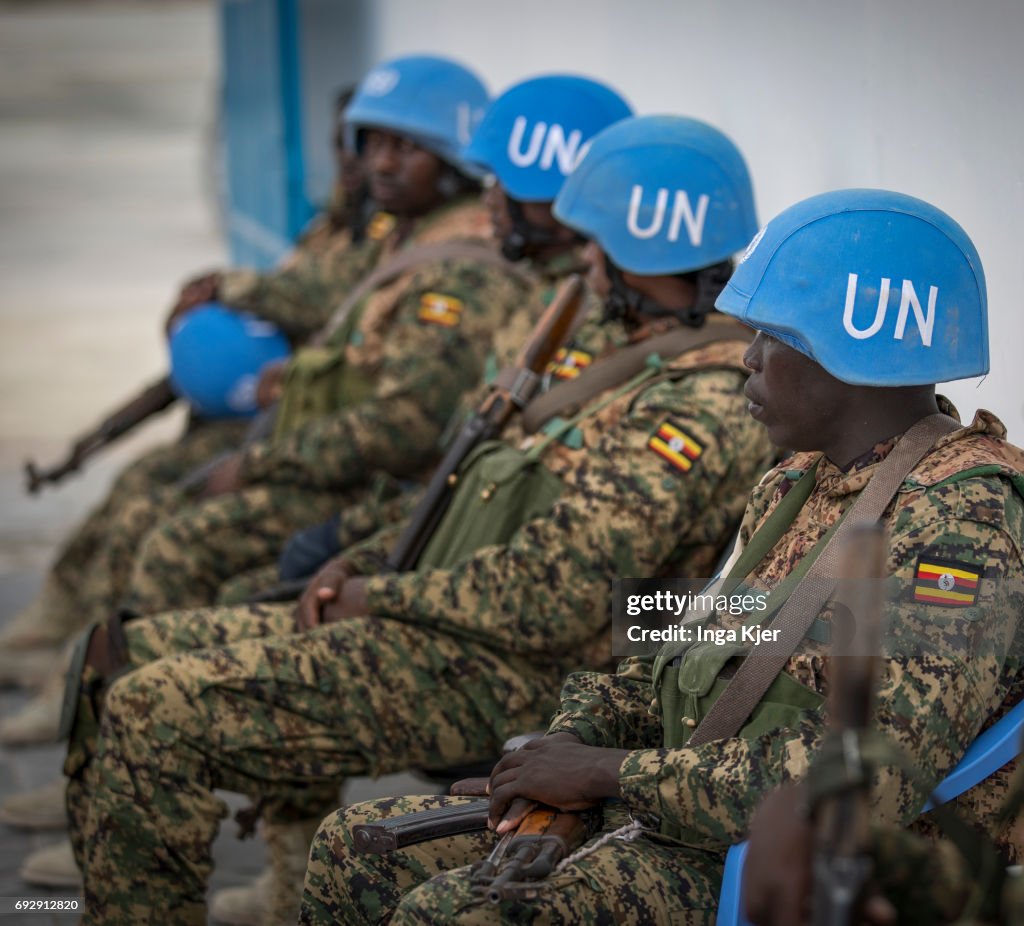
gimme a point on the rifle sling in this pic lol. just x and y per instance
(407, 259)
(757, 672)
(615, 369)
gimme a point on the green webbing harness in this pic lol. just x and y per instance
(687, 674)
(501, 488)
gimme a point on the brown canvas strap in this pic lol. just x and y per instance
(406, 260)
(766, 660)
(624, 364)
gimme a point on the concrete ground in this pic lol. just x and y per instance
(105, 112)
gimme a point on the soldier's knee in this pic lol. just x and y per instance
(444, 901)
(143, 700)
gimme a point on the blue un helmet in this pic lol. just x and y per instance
(432, 100)
(532, 137)
(662, 195)
(216, 357)
(879, 288)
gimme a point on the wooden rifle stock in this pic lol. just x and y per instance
(488, 421)
(842, 860)
(539, 843)
(155, 398)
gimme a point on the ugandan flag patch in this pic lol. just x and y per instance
(946, 582)
(672, 443)
(568, 364)
(380, 226)
(437, 309)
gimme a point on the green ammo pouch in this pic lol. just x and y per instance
(319, 382)
(500, 488)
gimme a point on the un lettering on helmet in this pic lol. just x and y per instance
(880, 288)
(661, 195)
(536, 133)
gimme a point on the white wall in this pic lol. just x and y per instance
(911, 95)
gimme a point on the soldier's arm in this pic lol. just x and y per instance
(946, 670)
(300, 297)
(610, 711)
(428, 359)
(622, 513)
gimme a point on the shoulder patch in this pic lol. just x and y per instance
(438, 309)
(946, 582)
(380, 226)
(568, 364)
(673, 444)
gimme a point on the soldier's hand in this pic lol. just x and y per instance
(350, 603)
(223, 478)
(557, 770)
(324, 589)
(777, 871)
(195, 292)
(270, 387)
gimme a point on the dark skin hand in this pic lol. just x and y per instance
(333, 594)
(223, 478)
(777, 872)
(195, 292)
(556, 770)
(270, 387)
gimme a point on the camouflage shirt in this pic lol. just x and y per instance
(624, 511)
(952, 661)
(299, 295)
(420, 342)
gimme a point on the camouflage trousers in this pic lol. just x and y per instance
(72, 579)
(647, 880)
(186, 556)
(264, 713)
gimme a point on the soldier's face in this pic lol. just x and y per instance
(799, 403)
(403, 177)
(537, 214)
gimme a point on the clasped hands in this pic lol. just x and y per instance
(556, 770)
(333, 594)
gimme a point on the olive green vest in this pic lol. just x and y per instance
(500, 488)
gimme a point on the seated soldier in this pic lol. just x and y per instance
(863, 300)
(28, 641)
(545, 250)
(379, 385)
(438, 666)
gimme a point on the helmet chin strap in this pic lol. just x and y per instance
(624, 302)
(525, 237)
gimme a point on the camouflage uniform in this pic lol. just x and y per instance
(80, 584)
(451, 662)
(300, 295)
(950, 669)
(172, 551)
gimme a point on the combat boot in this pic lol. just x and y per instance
(39, 720)
(273, 899)
(53, 866)
(40, 809)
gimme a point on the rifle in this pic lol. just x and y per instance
(155, 398)
(522, 857)
(509, 394)
(529, 854)
(842, 860)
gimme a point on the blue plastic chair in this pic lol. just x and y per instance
(997, 746)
